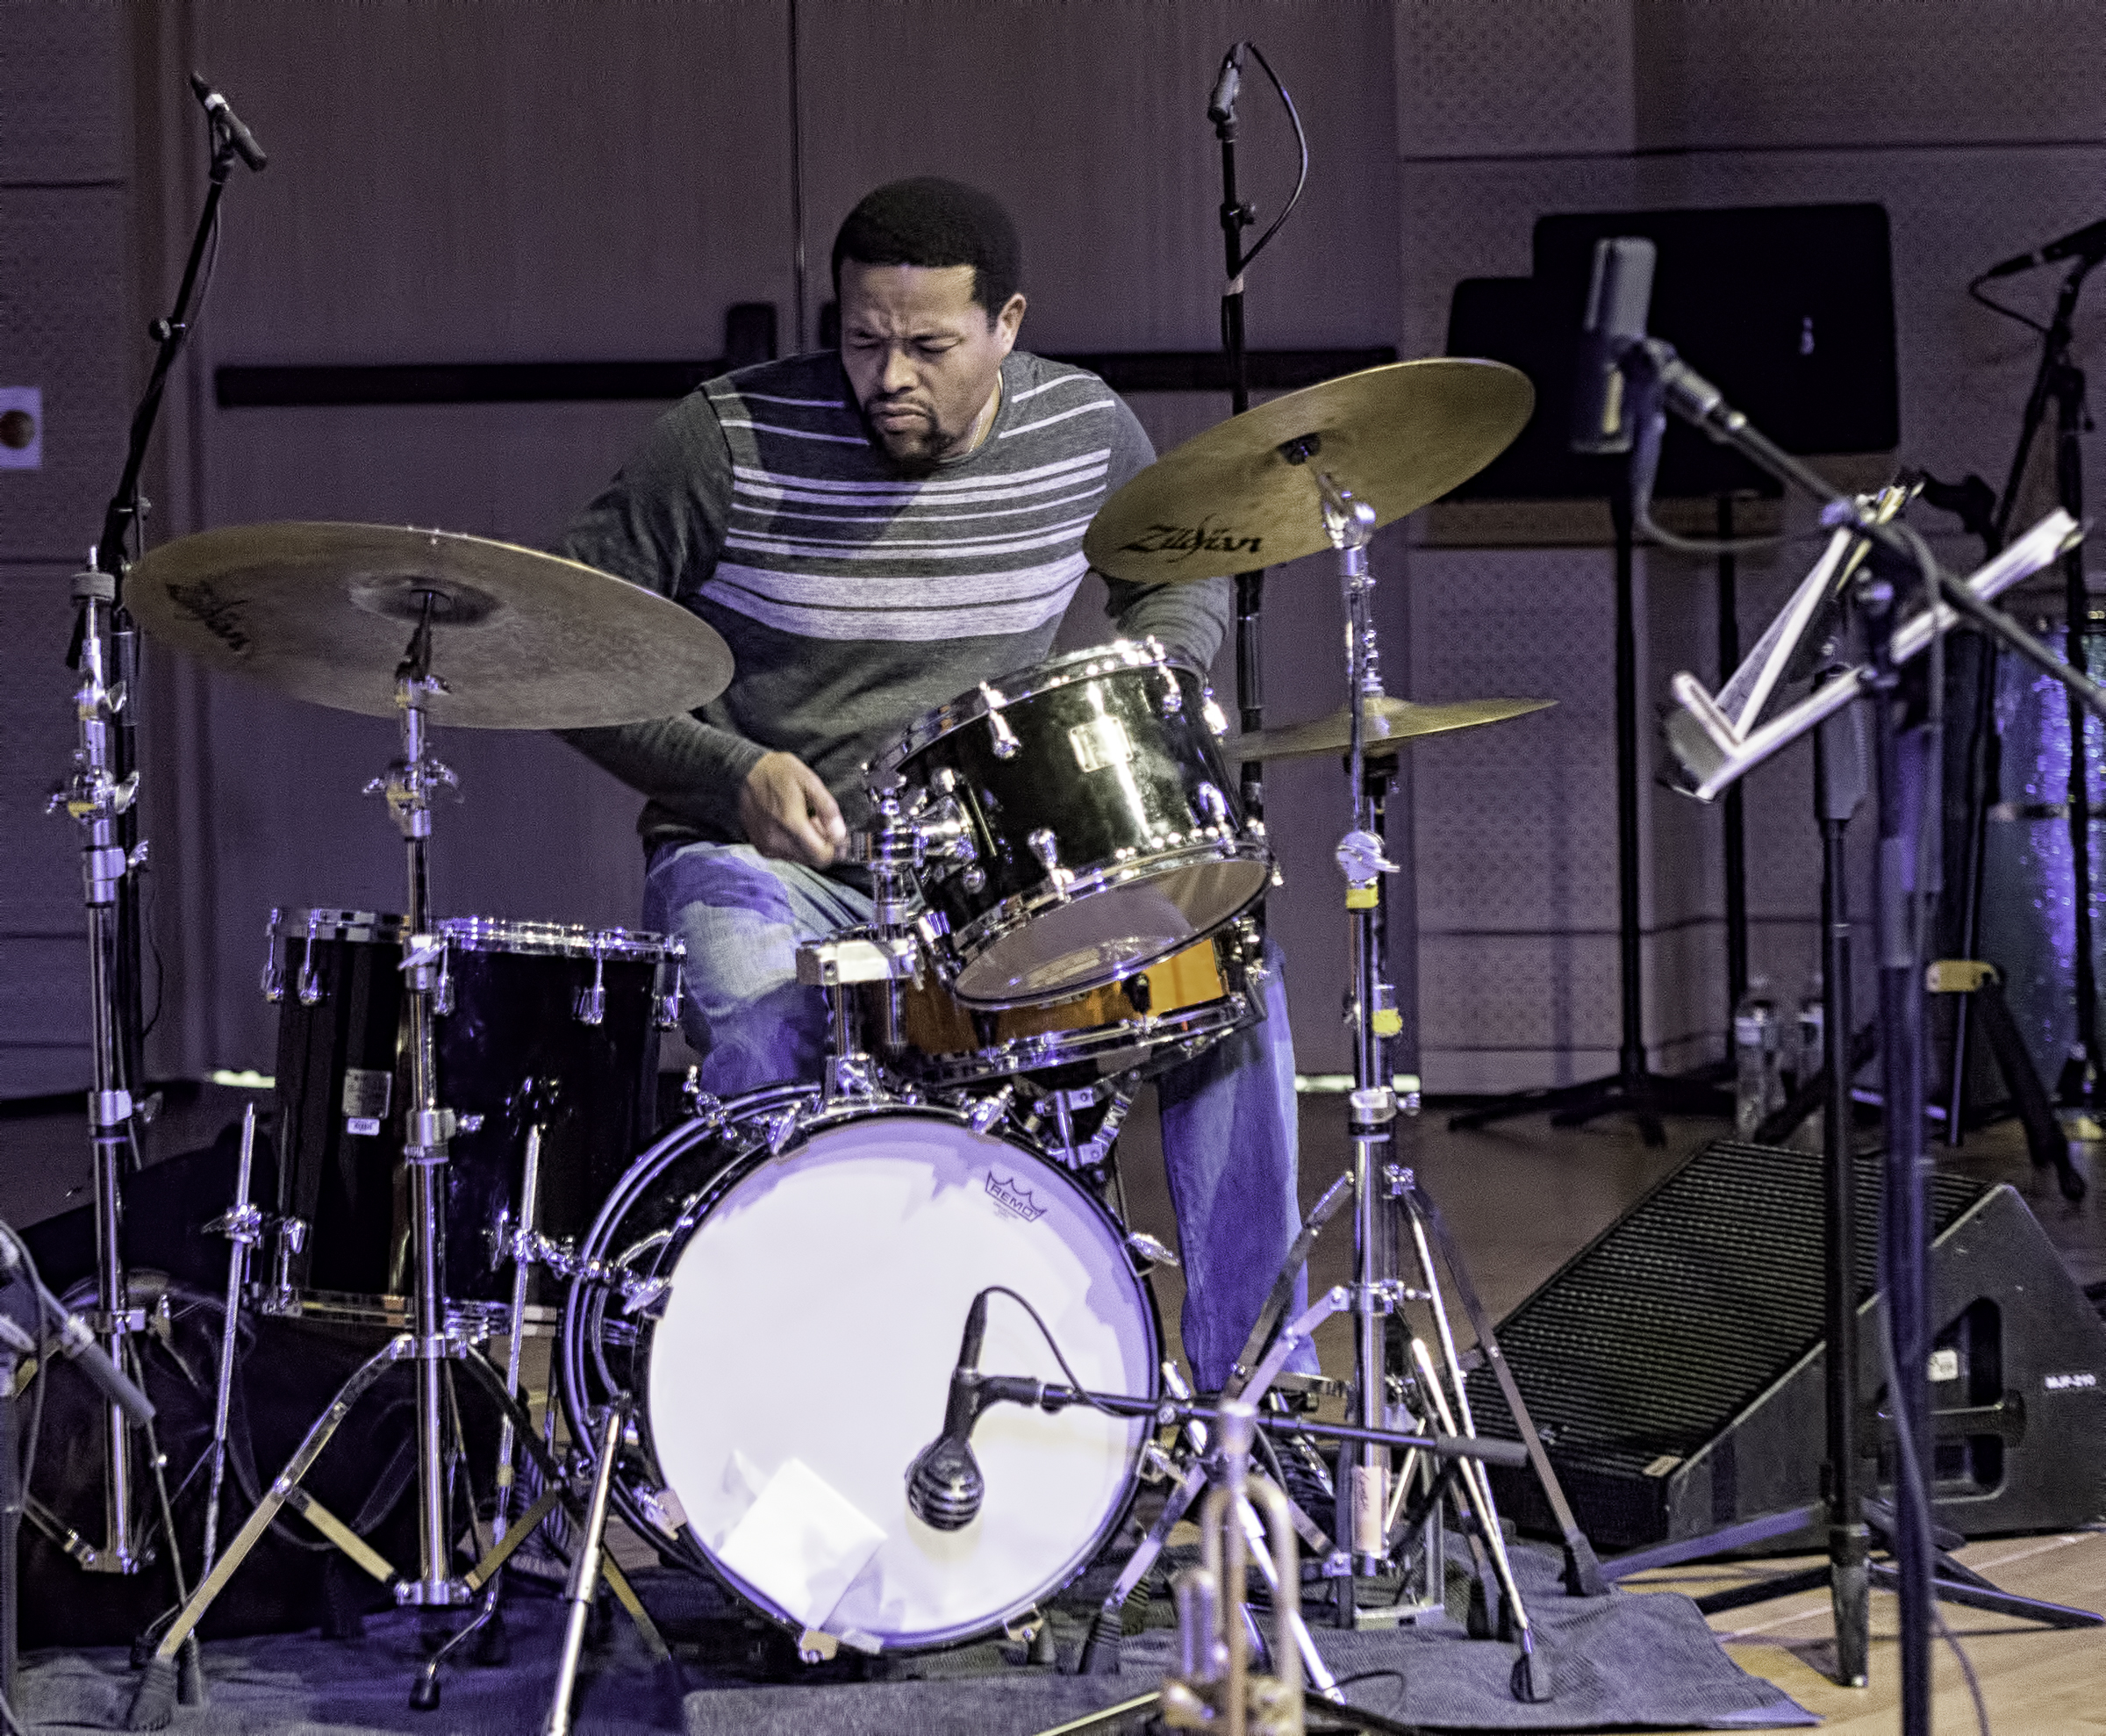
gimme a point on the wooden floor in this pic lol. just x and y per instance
(1521, 1197)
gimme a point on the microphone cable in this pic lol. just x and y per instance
(1053, 1344)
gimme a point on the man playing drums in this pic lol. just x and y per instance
(875, 531)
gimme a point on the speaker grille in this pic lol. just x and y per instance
(1654, 1337)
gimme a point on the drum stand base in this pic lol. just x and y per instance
(153, 1705)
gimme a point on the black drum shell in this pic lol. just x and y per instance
(514, 1021)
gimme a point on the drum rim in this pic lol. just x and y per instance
(726, 1113)
(1143, 1032)
(524, 935)
(1037, 680)
(302, 922)
(1014, 911)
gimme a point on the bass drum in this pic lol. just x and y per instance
(781, 1290)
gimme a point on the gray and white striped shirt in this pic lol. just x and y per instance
(854, 599)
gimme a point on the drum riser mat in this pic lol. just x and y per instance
(1626, 1659)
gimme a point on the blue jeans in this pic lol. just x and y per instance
(1229, 1115)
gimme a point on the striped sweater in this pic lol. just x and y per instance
(853, 599)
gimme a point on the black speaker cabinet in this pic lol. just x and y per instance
(1674, 1364)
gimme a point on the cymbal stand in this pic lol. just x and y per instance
(98, 796)
(432, 1339)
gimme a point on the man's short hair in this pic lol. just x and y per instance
(929, 221)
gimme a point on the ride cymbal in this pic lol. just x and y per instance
(1390, 724)
(1229, 500)
(521, 640)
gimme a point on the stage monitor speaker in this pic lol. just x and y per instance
(1674, 1364)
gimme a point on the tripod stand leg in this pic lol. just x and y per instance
(585, 1571)
(1582, 1569)
(154, 1704)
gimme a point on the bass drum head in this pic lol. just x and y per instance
(803, 1360)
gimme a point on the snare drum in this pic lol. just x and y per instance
(1093, 824)
(535, 1021)
(1156, 1018)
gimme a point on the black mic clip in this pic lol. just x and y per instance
(1220, 107)
(227, 123)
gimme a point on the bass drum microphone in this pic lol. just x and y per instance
(944, 1486)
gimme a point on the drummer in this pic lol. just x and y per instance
(874, 531)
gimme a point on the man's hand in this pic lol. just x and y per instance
(788, 813)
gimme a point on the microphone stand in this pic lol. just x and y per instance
(1662, 382)
(1236, 216)
(2059, 378)
(100, 796)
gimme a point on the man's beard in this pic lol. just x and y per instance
(922, 453)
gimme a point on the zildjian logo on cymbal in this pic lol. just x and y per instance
(219, 617)
(1185, 541)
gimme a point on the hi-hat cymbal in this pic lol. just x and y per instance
(1228, 500)
(522, 640)
(1390, 724)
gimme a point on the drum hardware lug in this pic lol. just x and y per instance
(974, 878)
(1157, 1464)
(1023, 1628)
(696, 1101)
(468, 1123)
(1210, 709)
(666, 1016)
(1173, 697)
(990, 1109)
(1214, 804)
(1396, 1180)
(1006, 744)
(274, 973)
(1046, 847)
(855, 1077)
(944, 781)
(1147, 1251)
(590, 1007)
(814, 1646)
(781, 1128)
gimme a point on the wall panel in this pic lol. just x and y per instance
(62, 90)
(1513, 78)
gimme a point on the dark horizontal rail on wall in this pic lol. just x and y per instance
(291, 388)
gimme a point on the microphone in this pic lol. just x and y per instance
(1220, 107)
(2088, 244)
(1617, 299)
(78, 1342)
(944, 1486)
(243, 141)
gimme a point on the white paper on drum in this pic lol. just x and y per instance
(800, 1543)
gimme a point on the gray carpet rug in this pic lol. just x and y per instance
(1626, 1661)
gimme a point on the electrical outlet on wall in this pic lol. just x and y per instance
(21, 428)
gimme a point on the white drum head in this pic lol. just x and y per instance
(804, 1357)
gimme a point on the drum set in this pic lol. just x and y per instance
(757, 1314)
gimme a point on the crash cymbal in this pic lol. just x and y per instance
(1391, 723)
(1227, 500)
(522, 640)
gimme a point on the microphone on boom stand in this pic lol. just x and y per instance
(243, 141)
(2088, 244)
(944, 1486)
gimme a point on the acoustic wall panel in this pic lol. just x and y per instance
(61, 305)
(1089, 119)
(1512, 78)
(501, 182)
(62, 90)
(1737, 74)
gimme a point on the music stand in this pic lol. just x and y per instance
(1791, 309)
